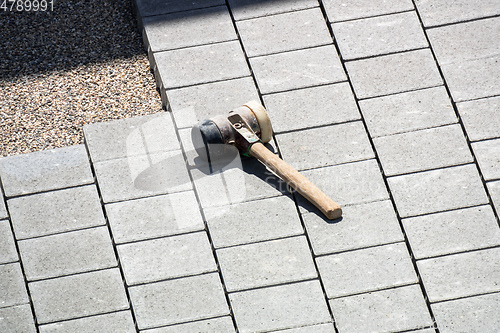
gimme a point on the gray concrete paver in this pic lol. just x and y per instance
(283, 32)
(17, 319)
(393, 73)
(339, 10)
(264, 309)
(157, 7)
(216, 325)
(245, 9)
(321, 328)
(461, 275)
(391, 310)
(12, 285)
(3, 210)
(75, 296)
(266, 263)
(166, 258)
(451, 232)
(67, 253)
(297, 69)
(111, 322)
(488, 157)
(8, 251)
(379, 35)
(481, 118)
(179, 300)
(494, 189)
(45, 170)
(56, 211)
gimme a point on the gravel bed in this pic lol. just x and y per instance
(81, 63)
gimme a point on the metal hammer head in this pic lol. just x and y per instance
(240, 127)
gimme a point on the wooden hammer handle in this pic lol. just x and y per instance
(296, 181)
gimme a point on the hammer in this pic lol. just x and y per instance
(247, 128)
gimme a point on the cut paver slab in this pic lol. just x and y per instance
(17, 319)
(472, 314)
(361, 226)
(266, 263)
(408, 111)
(253, 221)
(201, 64)
(340, 10)
(156, 7)
(166, 258)
(142, 176)
(365, 270)
(297, 69)
(274, 308)
(393, 73)
(111, 322)
(494, 189)
(67, 253)
(460, 275)
(189, 28)
(152, 217)
(437, 190)
(216, 325)
(45, 170)
(379, 35)
(391, 310)
(488, 157)
(438, 12)
(339, 144)
(75, 296)
(284, 32)
(56, 211)
(131, 137)
(481, 118)
(179, 300)
(12, 285)
(450, 232)
(423, 150)
(244, 9)
(3, 210)
(310, 107)
(8, 251)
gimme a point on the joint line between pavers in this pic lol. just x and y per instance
(287, 283)
(179, 11)
(463, 21)
(431, 169)
(448, 210)
(479, 98)
(82, 317)
(371, 16)
(172, 278)
(358, 248)
(146, 196)
(205, 82)
(303, 87)
(48, 191)
(287, 51)
(286, 11)
(401, 285)
(465, 297)
(415, 130)
(260, 241)
(193, 46)
(185, 322)
(460, 252)
(318, 126)
(387, 54)
(395, 93)
(391, 198)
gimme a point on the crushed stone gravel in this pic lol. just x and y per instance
(81, 63)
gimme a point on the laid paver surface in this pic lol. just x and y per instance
(392, 108)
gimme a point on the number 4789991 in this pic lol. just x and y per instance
(26, 5)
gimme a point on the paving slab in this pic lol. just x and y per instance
(339, 10)
(201, 64)
(409, 111)
(131, 137)
(3, 210)
(17, 319)
(379, 35)
(157, 216)
(311, 67)
(488, 157)
(365, 270)
(179, 300)
(481, 118)
(472, 314)
(166, 258)
(494, 189)
(75, 296)
(45, 170)
(216, 325)
(361, 226)
(12, 285)
(321, 328)
(391, 310)
(451, 232)
(284, 32)
(189, 28)
(157, 7)
(456, 187)
(245, 9)
(67, 253)
(266, 263)
(111, 322)
(194, 104)
(461, 275)
(253, 221)
(339, 144)
(444, 12)
(311, 107)
(8, 251)
(142, 176)
(423, 150)
(56, 211)
(393, 73)
(263, 309)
